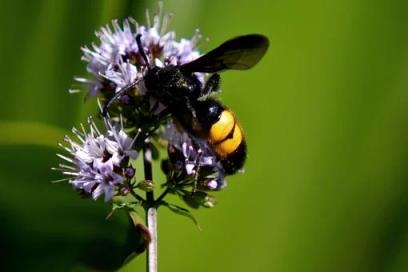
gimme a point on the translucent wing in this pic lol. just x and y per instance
(239, 53)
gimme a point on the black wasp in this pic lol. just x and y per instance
(178, 88)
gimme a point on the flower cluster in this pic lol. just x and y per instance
(98, 164)
(192, 162)
(117, 62)
(192, 168)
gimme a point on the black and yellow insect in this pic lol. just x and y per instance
(178, 88)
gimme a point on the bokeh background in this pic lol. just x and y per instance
(326, 120)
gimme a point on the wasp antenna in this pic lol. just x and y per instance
(141, 50)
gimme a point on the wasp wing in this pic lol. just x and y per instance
(239, 53)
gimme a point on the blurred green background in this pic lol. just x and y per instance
(325, 115)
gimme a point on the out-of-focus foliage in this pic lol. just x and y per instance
(325, 116)
(48, 228)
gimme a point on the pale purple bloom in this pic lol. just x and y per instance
(189, 155)
(215, 184)
(95, 160)
(195, 155)
(119, 143)
(96, 181)
(117, 62)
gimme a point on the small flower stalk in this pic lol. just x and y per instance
(129, 74)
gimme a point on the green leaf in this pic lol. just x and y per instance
(15, 133)
(182, 211)
(119, 205)
(48, 227)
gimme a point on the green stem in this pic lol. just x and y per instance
(136, 196)
(161, 197)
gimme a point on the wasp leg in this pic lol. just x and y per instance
(117, 96)
(212, 85)
(197, 171)
(191, 109)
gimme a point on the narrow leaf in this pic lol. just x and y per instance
(182, 211)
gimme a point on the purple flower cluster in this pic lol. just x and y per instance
(194, 161)
(98, 164)
(117, 62)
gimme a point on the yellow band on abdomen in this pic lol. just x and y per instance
(222, 128)
(229, 145)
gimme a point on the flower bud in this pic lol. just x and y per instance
(130, 172)
(199, 199)
(124, 191)
(209, 202)
(146, 185)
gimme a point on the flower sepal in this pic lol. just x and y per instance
(146, 185)
(199, 199)
(119, 203)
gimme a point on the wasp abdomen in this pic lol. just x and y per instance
(222, 131)
(223, 128)
(235, 160)
(225, 135)
(227, 140)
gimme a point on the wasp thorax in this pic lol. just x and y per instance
(171, 86)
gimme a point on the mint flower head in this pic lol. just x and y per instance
(192, 162)
(102, 161)
(98, 163)
(116, 61)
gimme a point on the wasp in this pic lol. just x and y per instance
(179, 89)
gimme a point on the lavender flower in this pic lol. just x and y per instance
(117, 62)
(194, 160)
(98, 164)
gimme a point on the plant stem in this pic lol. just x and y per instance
(151, 261)
(160, 198)
(151, 212)
(136, 196)
(147, 163)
